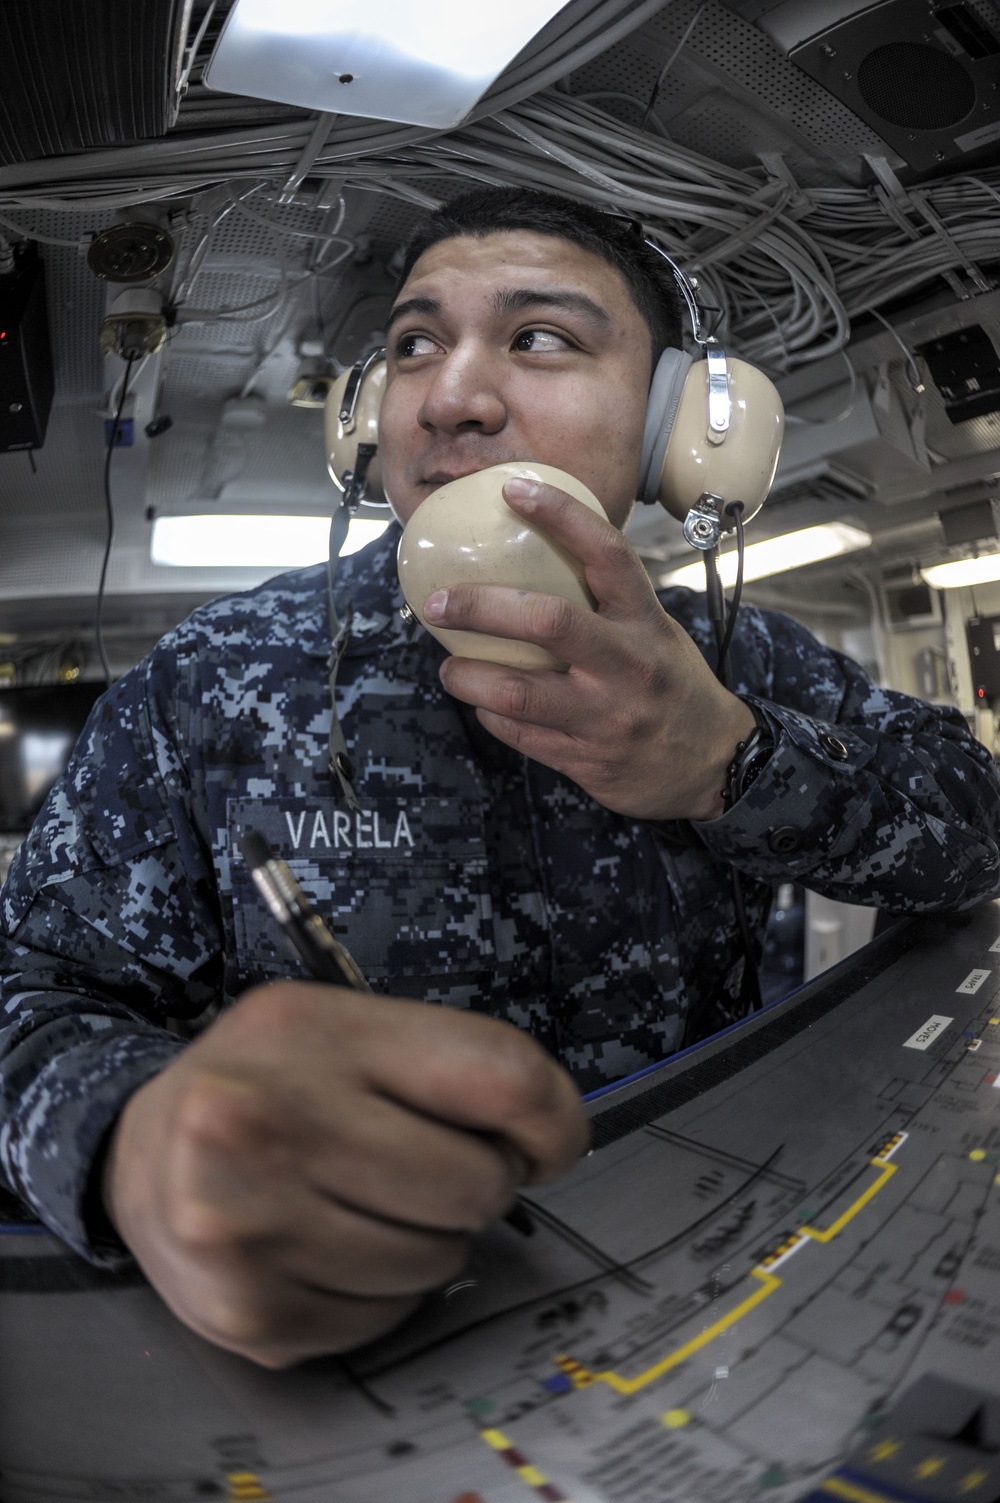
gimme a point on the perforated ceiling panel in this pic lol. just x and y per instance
(198, 377)
(723, 51)
(240, 237)
(222, 288)
(751, 59)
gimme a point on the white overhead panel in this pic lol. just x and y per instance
(423, 64)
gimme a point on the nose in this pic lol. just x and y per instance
(465, 394)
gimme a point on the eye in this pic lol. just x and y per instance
(540, 340)
(408, 346)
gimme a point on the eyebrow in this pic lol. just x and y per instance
(514, 299)
(427, 305)
(511, 300)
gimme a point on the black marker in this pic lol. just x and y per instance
(325, 958)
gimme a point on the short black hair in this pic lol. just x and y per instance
(614, 237)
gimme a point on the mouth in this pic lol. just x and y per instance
(445, 477)
(435, 478)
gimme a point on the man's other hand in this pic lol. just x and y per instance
(316, 1160)
(638, 720)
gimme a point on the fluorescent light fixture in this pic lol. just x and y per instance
(963, 571)
(231, 541)
(424, 63)
(774, 555)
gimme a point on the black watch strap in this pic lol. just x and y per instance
(749, 760)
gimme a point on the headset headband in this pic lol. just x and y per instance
(686, 291)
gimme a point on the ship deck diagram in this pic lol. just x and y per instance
(774, 1277)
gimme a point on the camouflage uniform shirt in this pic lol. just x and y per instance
(472, 877)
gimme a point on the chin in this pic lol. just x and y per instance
(403, 510)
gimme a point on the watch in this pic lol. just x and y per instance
(749, 760)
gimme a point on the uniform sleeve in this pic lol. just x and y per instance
(871, 796)
(110, 949)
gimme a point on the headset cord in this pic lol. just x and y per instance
(734, 510)
(109, 542)
(724, 624)
(716, 602)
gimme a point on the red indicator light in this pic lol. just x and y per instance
(981, 693)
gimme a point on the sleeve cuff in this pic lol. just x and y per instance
(54, 1145)
(800, 811)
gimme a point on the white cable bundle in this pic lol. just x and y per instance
(879, 255)
(787, 268)
(754, 261)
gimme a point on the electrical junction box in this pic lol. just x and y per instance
(983, 635)
(976, 522)
(26, 378)
(907, 602)
(965, 368)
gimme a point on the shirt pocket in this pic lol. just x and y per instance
(402, 884)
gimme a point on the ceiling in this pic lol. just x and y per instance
(837, 240)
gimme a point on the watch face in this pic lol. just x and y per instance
(754, 769)
(749, 764)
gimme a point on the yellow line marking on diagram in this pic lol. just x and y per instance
(244, 1487)
(767, 1283)
(828, 1233)
(837, 1487)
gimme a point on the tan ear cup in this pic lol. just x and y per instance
(351, 419)
(741, 466)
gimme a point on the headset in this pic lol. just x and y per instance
(711, 440)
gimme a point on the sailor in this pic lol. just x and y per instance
(546, 853)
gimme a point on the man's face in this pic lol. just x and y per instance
(517, 346)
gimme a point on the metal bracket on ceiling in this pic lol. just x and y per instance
(898, 201)
(317, 140)
(191, 53)
(329, 192)
(779, 173)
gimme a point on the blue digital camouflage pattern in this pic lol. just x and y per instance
(471, 877)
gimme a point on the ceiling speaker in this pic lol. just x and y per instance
(925, 77)
(132, 252)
